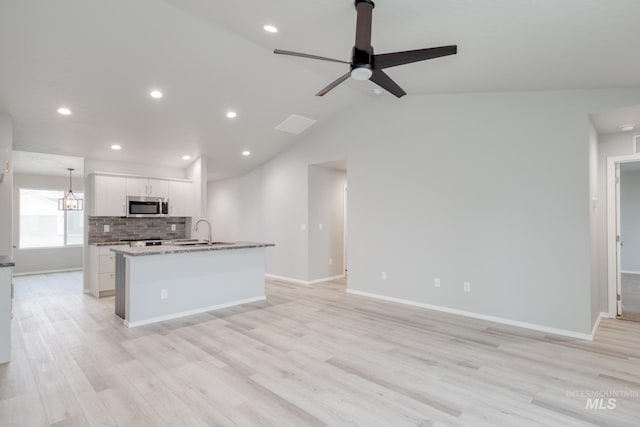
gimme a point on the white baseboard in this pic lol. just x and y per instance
(190, 312)
(629, 272)
(302, 282)
(596, 325)
(510, 322)
(326, 279)
(36, 273)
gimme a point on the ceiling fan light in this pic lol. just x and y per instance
(361, 73)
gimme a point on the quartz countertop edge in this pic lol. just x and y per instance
(172, 249)
(114, 243)
(6, 261)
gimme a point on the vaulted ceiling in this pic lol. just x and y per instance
(101, 59)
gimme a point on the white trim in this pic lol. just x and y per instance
(612, 273)
(286, 279)
(303, 282)
(630, 272)
(326, 279)
(636, 139)
(36, 273)
(190, 312)
(510, 322)
(596, 325)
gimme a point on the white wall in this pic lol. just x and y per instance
(488, 188)
(326, 211)
(6, 190)
(630, 219)
(45, 259)
(594, 220)
(96, 165)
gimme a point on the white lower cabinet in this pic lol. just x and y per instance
(102, 265)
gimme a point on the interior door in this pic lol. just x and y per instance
(618, 245)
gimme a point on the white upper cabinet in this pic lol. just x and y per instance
(180, 198)
(109, 196)
(145, 187)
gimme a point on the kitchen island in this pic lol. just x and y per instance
(157, 283)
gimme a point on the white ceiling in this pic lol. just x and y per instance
(47, 164)
(101, 59)
(609, 122)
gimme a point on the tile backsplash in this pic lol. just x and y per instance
(133, 228)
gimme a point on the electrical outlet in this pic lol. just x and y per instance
(164, 294)
(467, 286)
(303, 227)
(330, 261)
(384, 275)
(436, 282)
(320, 227)
(173, 227)
(107, 228)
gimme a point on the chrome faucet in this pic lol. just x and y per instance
(195, 227)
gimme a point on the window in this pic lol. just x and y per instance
(42, 225)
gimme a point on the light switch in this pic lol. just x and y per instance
(107, 228)
(436, 282)
(173, 227)
(320, 227)
(467, 286)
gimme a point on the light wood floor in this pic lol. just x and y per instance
(309, 356)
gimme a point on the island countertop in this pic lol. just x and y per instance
(180, 249)
(6, 261)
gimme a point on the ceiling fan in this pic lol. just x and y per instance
(367, 66)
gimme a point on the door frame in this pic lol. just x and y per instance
(613, 222)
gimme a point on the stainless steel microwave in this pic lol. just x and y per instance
(146, 207)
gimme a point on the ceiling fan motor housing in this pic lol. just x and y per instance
(364, 1)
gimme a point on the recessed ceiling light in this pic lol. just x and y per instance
(186, 157)
(627, 128)
(270, 29)
(232, 114)
(156, 94)
(64, 111)
(246, 153)
(116, 147)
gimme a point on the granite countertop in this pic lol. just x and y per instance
(173, 249)
(114, 243)
(6, 261)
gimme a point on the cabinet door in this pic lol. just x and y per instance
(158, 188)
(180, 198)
(109, 196)
(138, 187)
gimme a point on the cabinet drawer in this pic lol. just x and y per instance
(106, 250)
(108, 263)
(107, 281)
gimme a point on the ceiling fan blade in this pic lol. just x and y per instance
(364, 9)
(387, 60)
(380, 78)
(306, 55)
(333, 84)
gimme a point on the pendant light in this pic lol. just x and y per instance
(70, 202)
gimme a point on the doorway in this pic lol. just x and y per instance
(624, 236)
(327, 221)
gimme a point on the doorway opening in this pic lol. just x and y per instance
(327, 221)
(623, 224)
